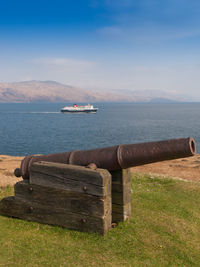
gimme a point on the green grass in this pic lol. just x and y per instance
(164, 230)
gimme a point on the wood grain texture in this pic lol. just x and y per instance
(59, 198)
(122, 198)
(119, 217)
(121, 213)
(121, 195)
(122, 208)
(32, 211)
(71, 177)
(121, 176)
(68, 171)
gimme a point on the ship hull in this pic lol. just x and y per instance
(79, 111)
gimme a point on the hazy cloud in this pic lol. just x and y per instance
(152, 20)
(169, 6)
(112, 4)
(64, 63)
(119, 3)
(152, 33)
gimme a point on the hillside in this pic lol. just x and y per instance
(51, 91)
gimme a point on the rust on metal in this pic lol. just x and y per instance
(105, 158)
(29, 160)
(117, 157)
(31, 209)
(85, 188)
(92, 166)
(144, 153)
(17, 172)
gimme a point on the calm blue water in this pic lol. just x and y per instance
(42, 129)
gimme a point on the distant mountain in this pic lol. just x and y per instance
(162, 100)
(51, 91)
(152, 95)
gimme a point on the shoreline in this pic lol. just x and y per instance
(183, 168)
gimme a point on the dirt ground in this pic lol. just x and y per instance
(7, 166)
(184, 168)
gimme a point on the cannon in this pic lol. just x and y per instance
(85, 190)
(117, 157)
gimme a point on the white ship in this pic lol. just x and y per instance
(75, 109)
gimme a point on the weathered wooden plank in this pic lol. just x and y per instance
(68, 184)
(121, 212)
(120, 187)
(16, 207)
(123, 197)
(121, 176)
(119, 217)
(68, 200)
(122, 208)
(67, 171)
(49, 176)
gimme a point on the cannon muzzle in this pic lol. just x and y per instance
(117, 157)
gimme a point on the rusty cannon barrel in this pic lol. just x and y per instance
(117, 157)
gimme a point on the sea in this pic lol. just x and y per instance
(40, 128)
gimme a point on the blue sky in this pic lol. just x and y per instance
(107, 44)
